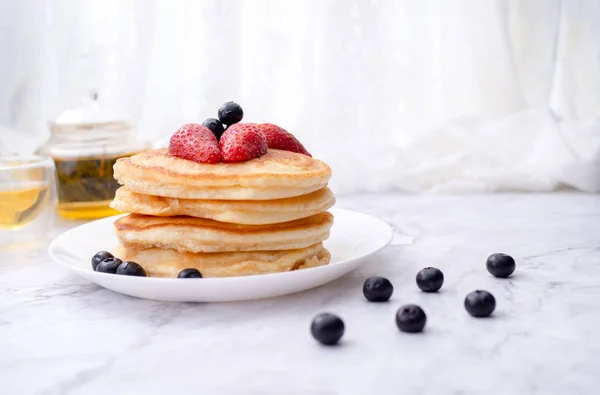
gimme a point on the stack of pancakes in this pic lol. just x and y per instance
(227, 219)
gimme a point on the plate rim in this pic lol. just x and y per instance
(82, 271)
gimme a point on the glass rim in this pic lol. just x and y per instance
(19, 162)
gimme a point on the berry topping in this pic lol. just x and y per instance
(500, 265)
(109, 265)
(430, 279)
(327, 328)
(215, 126)
(131, 269)
(195, 142)
(410, 318)
(230, 113)
(279, 138)
(241, 142)
(189, 273)
(99, 257)
(378, 289)
(480, 303)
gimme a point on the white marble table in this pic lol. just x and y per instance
(62, 335)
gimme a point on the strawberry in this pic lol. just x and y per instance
(279, 138)
(195, 142)
(241, 142)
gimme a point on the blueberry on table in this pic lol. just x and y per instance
(109, 265)
(480, 303)
(131, 269)
(410, 318)
(378, 289)
(215, 126)
(99, 257)
(327, 328)
(230, 113)
(430, 279)
(189, 273)
(500, 265)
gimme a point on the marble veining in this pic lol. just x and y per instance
(60, 334)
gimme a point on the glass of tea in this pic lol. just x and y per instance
(27, 199)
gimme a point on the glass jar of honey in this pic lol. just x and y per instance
(85, 143)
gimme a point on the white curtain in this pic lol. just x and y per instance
(415, 95)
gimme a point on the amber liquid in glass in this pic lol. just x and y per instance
(20, 207)
(86, 187)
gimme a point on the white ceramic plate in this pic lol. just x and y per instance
(354, 236)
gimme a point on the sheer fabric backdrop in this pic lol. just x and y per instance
(416, 95)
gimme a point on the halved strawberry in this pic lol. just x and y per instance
(241, 142)
(195, 142)
(279, 138)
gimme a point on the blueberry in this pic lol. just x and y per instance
(131, 269)
(109, 265)
(230, 113)
(189, 273)
(327, 328)
(480, 303)
(377, 289)
(500, 265)
(411, 318)
(430, 279)
(99, 257)
(215, 126)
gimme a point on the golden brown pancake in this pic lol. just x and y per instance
(247, 212)
(205, 235)
(275, 175)
(168, 263)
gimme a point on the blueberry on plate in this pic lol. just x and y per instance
(327, 328)
(99, 257)
(131, 269)
(109, 265)
(378, 289)
(500, 265)
(189, 273)
(430, 279)
(411, 318)
(230, 113)
(215, 126)
(480, 303)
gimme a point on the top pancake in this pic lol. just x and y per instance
(275, 175)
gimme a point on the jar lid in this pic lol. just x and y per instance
(90, 116)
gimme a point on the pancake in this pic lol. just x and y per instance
(205, 235)
(275, 175)
(247, 212)
(168, 263)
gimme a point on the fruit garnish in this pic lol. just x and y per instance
(215, 126)
(430, 279)
(99, 257)
(195, 142)
(500, 265)
(377, 289)
(189, 273)
(230, 113)
(480, 303)
(327, 328)
(410, 318)
(279, 138)
(109, 265)
(241, 142)
(131, 269)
